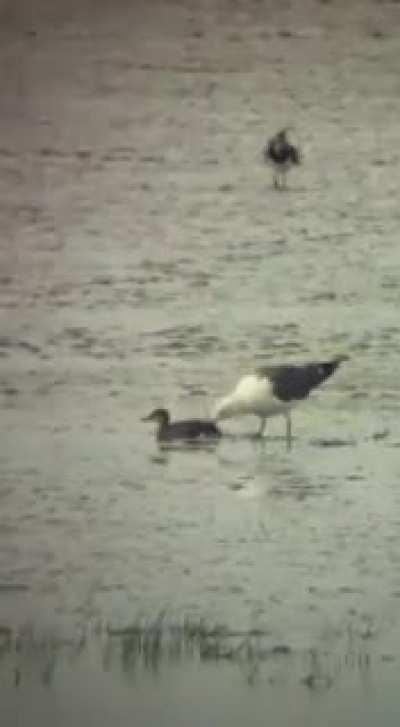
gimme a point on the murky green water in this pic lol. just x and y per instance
(146, 261)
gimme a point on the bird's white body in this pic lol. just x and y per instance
(252, 395)
(275, 390)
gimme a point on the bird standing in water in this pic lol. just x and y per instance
(282, 154)
(275, 390)
(186, 429)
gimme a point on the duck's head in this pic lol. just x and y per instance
(161, 416)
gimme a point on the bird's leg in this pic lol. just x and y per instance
(276, 181)
(288, 431)
(262, 427)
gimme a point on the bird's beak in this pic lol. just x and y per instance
(146, 419)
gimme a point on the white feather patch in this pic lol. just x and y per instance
(252, 395)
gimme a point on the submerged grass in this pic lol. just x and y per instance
(152, 645)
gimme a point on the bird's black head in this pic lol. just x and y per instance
(282, 134)
(158, 415)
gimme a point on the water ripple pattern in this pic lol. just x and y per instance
(146, 261)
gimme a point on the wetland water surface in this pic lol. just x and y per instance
(146, 261)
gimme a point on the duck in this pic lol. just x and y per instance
(275, 390)
(283, 155)
(185, 429)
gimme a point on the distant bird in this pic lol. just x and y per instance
(282, 155)
(186, 429)
(275, 390)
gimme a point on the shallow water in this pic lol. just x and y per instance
(147, 261)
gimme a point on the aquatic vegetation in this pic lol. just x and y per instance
(154, 645)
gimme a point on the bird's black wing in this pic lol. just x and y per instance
(295, 155)
(295, 382)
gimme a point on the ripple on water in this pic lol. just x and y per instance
(185, 256)
(13, 588)
(334, 442)
(184, 340)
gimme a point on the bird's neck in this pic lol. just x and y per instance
(227, 407)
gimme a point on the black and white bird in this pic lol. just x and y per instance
(186, 429)
(282, 154)
(275, 390)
